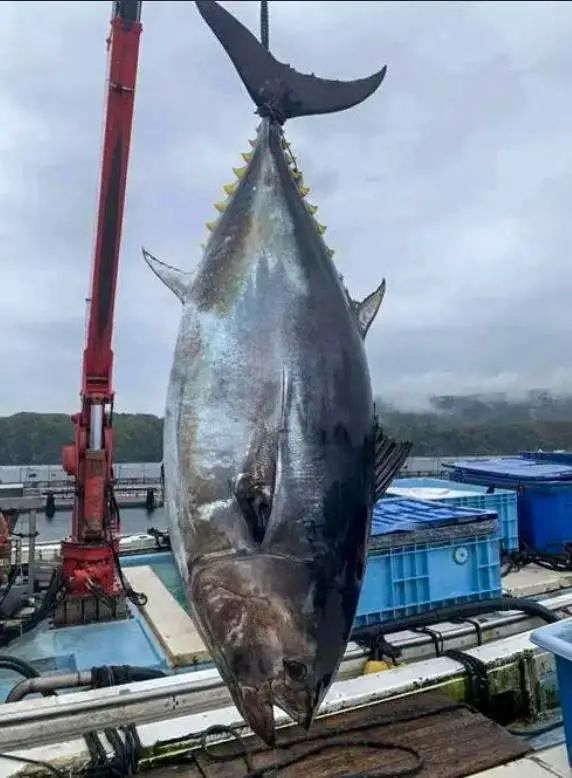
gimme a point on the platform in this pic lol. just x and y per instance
(170, 623)
(542, 764)
(534, 580)
(447, 739)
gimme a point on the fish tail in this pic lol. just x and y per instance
(279, 91)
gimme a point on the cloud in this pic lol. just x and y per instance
(453, 181)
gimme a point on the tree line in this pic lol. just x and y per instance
(448, 426)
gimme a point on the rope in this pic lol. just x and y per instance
(337, 738)
(264, 25)
(35, 763)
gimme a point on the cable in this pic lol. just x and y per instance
(368, 636)
(139, 599)
(50, 602)
(18, 666)
(264, 25)
(36, 762)
(347, 743)
(191, 754)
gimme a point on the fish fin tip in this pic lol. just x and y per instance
(220, 206)
(366, 310)
(230, 189)
(174, 279)
(296, 94)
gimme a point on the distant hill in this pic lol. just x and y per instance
(483, 424)
(478, 424)
(37, 438)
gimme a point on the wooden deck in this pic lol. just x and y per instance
(444, 739)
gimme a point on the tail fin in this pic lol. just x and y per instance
(389, 457)
(278, 90)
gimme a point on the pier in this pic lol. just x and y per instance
(140, 485)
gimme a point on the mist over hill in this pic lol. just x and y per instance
(451, 425)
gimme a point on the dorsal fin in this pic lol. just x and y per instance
(176, 280)
(367, 309)
(278, 90)
(389, 458)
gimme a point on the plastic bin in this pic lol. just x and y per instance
(509, 472)
(557, 638)
(544, 495)
(502, 501)
(424, 555)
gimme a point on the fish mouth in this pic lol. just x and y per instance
(257, 711)
(300, 702)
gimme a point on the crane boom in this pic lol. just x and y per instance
(93, 591)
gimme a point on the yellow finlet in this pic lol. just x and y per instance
(311, 208)
(239, 171)
(304, 190)
(320, 227)
(296, 174)
(373, 666)
(221, 207)
(247, 156)
(230, 189)
(211, 226)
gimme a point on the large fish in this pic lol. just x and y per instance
(270, 442)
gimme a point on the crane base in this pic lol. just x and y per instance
(87, 610)
(94, 591)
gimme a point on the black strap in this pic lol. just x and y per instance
(479, 690)
(436, 637)
(474, 623)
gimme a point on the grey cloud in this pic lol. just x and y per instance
(453, 181)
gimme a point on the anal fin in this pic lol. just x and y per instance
(389, 458)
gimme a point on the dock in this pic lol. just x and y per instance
(170, 623)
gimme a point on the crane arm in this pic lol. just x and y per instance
(88, 555)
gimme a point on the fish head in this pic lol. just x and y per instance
(256, 614)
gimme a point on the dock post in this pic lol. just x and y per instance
(31, 551)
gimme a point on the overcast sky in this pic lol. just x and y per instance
(454, 181)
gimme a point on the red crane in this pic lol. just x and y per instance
(91, 575)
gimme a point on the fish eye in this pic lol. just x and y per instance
(296, 670)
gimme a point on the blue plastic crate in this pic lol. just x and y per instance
(502, 501)
(510, 472)
(557, 638)
(442, 555)
(545, 517)
(544, 496)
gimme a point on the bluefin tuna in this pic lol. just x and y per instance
(272, 457)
